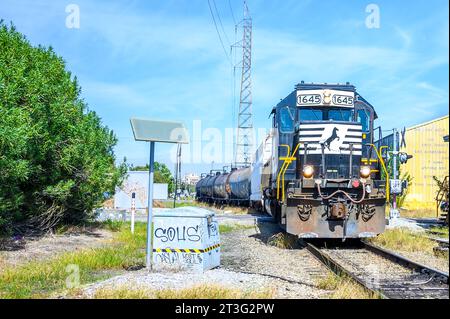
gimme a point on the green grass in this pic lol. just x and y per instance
(169, 204)
(342, 287)
(38, 279)
(41, 279)
(113, 225)
(440, 231)
(283, 241)
(403, 239)
(196, 292)
(418, 213)
(228, 228)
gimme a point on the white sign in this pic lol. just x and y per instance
(325, 98)
(396, 186)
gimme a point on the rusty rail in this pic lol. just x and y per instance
(339, 270)
(434, 286)
(406, 262)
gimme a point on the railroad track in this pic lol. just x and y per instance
(383, 272)
(442, 242)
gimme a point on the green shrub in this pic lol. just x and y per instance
(56, 158)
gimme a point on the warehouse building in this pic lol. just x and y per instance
(426, 142)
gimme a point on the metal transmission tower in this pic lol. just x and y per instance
(244, 142)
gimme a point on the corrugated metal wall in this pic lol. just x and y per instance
(431, 156)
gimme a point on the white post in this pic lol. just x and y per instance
(150, 208)
(133, 210)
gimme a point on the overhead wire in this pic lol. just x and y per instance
(220, 22)
(218, 33)
(232, 12)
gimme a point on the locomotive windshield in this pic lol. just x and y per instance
(310, 114)
(326, 114)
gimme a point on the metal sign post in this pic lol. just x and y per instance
(150, 207)
(155, 131)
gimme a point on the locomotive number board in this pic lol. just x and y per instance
(325, 98)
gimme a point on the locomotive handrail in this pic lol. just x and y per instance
(281, 169)
(286, 162)
(289, 161)
(383, 165)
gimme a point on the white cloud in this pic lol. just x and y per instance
(404, 35)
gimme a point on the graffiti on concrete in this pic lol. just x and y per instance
(179, 233)
(175, 258)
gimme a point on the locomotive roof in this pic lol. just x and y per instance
(320, 86)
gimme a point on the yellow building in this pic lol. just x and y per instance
(431, 156)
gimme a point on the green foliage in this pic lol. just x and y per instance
(113, 225)
(401, 199)
(162, 174)
(56, 158)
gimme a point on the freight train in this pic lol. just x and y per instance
(318, 172)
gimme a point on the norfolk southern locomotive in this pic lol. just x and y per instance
(318, 172)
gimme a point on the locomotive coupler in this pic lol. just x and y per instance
(338, 210)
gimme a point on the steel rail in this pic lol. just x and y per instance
(338, 269)
(443, 276)
(441, 241)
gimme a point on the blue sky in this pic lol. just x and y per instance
(163, 59)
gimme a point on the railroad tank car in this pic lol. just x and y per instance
(220, 188)
(319, 172)
(239, 185)
(209, 186)
(198, 187)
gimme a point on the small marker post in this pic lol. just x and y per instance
(133, 210)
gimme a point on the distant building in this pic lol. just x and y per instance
(191, 179)
(426, 142)
(137, 182)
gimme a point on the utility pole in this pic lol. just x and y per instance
(244, 142)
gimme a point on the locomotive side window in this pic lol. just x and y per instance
(364, 118)
(310, 114)
(286, 120)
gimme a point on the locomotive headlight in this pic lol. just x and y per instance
(364, 171)
(308, 171)
(327, 97)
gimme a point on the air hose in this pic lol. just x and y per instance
(345, 193)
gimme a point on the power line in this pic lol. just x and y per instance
(218, 33)
(232, 13)
(220, 22)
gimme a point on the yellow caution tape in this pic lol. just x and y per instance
(177, 250)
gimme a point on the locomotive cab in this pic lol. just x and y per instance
(326, 180)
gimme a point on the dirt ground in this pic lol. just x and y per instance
(18, 251)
